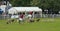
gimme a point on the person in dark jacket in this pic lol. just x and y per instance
(21, 18)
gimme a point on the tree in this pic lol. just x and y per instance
(20, 2)
(34, 2)
(52, 5)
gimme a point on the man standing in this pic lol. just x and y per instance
(21, 18)
(30, 17)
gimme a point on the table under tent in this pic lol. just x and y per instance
(37, 12)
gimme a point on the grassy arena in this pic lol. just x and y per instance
(36, 26)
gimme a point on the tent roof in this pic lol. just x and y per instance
(23, 9)
(12, 11)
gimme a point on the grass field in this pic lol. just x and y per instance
(36, 26)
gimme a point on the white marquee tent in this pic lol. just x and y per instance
(23, 9)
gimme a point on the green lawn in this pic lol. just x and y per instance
(36, 26)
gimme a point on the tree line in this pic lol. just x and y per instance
(51, 5)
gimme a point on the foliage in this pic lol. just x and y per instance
(52, 5)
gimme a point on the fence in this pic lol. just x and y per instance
(50, 15)
(35, 16)
(4, 17)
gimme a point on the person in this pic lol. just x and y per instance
(30, 17)
(21, 18)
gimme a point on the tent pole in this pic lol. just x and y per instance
(25, 14)
(33, 14)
